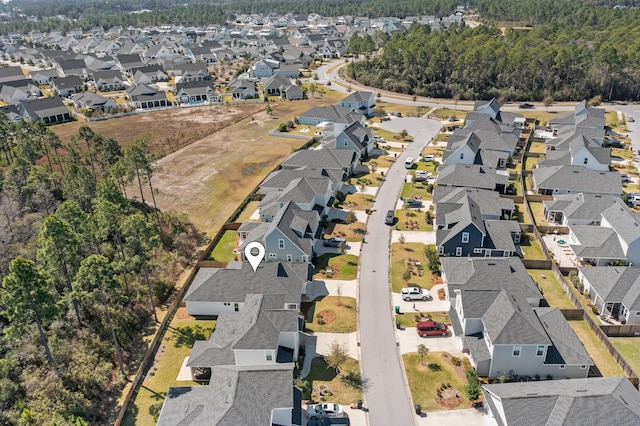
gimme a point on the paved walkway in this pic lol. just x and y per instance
(468, 417)
(318, 344)
(423, 237)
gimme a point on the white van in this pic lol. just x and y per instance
(408, 163)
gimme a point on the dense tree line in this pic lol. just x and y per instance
(595, 52)
(82, 270)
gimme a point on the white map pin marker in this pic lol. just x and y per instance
(254, 259)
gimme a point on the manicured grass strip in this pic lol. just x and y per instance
(408, 319)
(223, 251)
(599, 354)
(551, 288)
(530, 247)
(323, 375)
(629, 347)
(413, 220)
(341, 311)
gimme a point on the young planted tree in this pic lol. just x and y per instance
(472, 388)
(58, 252)
(94, 280)
(25, 297)
(423, 351)
(337, 356)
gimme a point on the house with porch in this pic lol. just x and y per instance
(614, 290)
(243, 89)
(472, 176)
(109, 81)
(142, 96)
(49, 110)
(577, 150)
(308, 193)
(279, 180)
(565, 179)
(95, 102)
(328, 158)
(360, 101)
(66, 86)
(578, 209)
(197, 93)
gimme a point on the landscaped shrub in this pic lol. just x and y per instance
(434, 367)
(456, 361)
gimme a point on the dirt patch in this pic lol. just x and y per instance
(328, 316)
(182, 313)
(449, 397)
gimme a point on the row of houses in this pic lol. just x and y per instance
(257, 336)
(497, 309)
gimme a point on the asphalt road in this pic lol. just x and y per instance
(387, 397)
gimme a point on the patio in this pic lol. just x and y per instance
(562, 252)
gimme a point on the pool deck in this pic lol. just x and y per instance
(564, 254)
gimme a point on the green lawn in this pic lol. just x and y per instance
(448, 112)
(399, 254)
(389, 136)
(424, 382)
(603, 360)
(381, 161)
(369, 179)
(408, 319)
(346, 266)
(357, 201)
(413, 220)
(551, 288)
(344, 309)
(417, 190)
(323, 375)
(223, 251)
(428, 166)
(531, 163)
(251, 207)
(176, 345)
(530, 247)
(629, 347)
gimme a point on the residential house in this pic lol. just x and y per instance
(357, 138)
(126, 63)
(290, 237)
(279, 180)
(472, 176)
(288, 70)
(339, 115)
(327, 158)
(578, 209)
(109, 81)
(308, 193)
(583, 116)
(461, 231)
(156, 51)
(334, 48)
(261, 333)
(49, 110)
(574, 180)
(243, 89)
(142, 96)
(244, 395)
(577, 150)
(359, 101)
(218, 290)
(191, 72)
(66, 86)
(71, 67)
(43, 77)
(615, 239)
(8, 74)
(262, 69)
(95, 102)
(481, 146)
(18, 91)
(492, 205)
(614, 290)
(281, 86)
(197, 92)
(596, 400)
(149, 74)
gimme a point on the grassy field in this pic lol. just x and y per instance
(407, 319)
(427, 166)
(448, 112)
(629, 347)
(601, 357)
(399, 254)
(223, 251)
(413, 220)
(417, 190)
(390, 136)
(345, 264)
(531, 163)
(344, 309)
(251, 207)
(176, 345)
(539, 147)
(424, 382)
(369, 179)
(352, 232)
(381, 161)
(323, 375)
(551, 288)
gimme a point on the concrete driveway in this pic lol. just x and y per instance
(423, 237)
(409, 340)
(468, 417)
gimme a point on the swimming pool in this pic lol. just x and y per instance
(562, 243)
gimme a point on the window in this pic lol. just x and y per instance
(305, 258)
(516, 350)
(269, 355)
(289, 258)
(562, 367)
(227, 304)
(586, 161)
(458, 251)
(584, 367)
(236, 307)
(272, 255)
(292, 306)
(638, 313)
(440, 250)
(345, 143)
(462, 155)
(478, 250)
(540, 350)
(465, 237)
(280, 244)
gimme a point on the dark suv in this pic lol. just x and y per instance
(390, 218)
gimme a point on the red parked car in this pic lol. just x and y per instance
(432, 328)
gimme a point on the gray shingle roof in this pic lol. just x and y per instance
(567, 348)
(577, 179)
(593, 401)
(596, 242)
(582, 206)
(242, 395)
(325, 158)
(489, 274)
(471, 176)
(233, 284)
(490, 202)
(615, 284)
